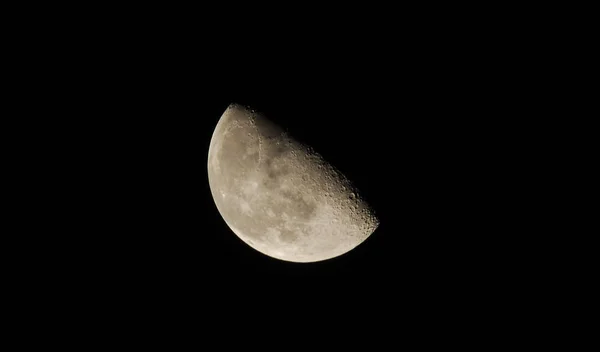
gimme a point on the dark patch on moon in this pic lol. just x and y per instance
(305, 210)
(287, 236)
(274, 172)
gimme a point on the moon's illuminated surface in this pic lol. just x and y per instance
(280, 197)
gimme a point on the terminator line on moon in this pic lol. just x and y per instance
(280, 197)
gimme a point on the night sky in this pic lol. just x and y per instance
(416, 124)
(407, 131)
(415, 152)
(423, 113)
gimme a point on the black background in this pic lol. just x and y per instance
(413, 134)
(440, 116)
(415, 112)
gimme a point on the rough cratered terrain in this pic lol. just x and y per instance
(279, 196)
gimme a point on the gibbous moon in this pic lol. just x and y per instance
(280, 197)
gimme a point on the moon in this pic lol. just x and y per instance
(278, 195)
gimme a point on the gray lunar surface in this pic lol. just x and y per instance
(280, 197)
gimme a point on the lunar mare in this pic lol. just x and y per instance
(278, 195)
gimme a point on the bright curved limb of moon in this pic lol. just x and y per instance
(280, 197)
